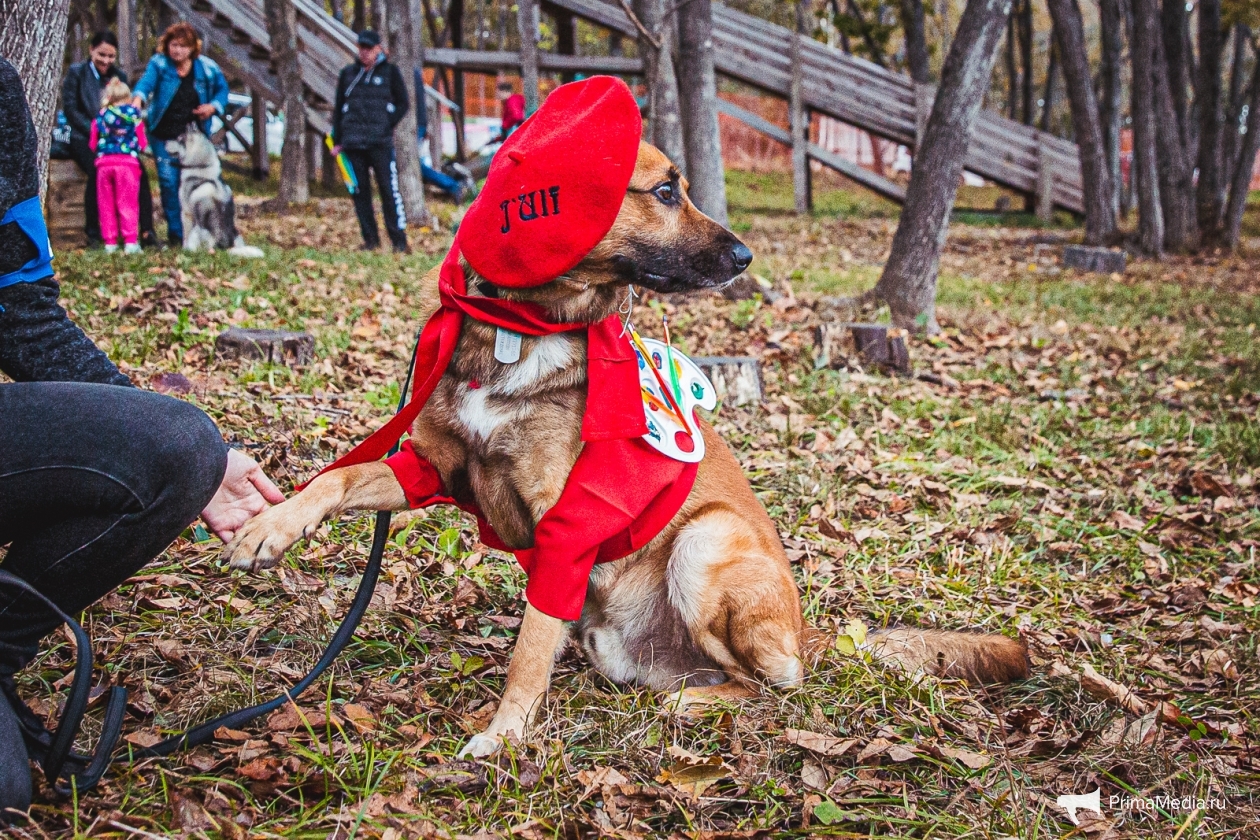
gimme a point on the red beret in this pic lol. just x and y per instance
(556, 186)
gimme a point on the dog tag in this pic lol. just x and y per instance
(507, 346)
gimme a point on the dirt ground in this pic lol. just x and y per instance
(1074, 460)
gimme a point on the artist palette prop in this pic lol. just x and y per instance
(688, 389)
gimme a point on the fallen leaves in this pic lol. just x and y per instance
(693, 774)
(827, 745)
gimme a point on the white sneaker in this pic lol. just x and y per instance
(132, 248)
(111, 249)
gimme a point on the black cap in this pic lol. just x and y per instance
(369, 38)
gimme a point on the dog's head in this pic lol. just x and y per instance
(192, 149)
(659, 241)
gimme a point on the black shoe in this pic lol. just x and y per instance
(149, 240)
(369, 246)
(15, 766)
(403, 249)
(95, 243)
(174, 241)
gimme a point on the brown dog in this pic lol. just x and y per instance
(710, 603)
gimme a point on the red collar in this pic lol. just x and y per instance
(614, 409)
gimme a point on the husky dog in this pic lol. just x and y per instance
(205, 201)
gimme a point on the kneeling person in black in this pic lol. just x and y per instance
(371, 100)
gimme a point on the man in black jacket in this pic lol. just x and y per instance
(371, 100)
(81, 102)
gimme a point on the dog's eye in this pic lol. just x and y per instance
(667, 193)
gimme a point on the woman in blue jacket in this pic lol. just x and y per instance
(180, 86)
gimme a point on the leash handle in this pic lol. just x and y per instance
(58, 747)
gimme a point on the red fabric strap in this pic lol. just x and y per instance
(620, 492)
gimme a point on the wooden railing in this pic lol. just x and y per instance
(746, 48)
(855, 91)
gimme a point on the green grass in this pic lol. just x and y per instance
(997, 500)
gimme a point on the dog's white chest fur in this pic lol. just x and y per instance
(483, 411)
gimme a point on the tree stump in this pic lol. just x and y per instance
(875, 348)
(65, 204)
(736, 379)
(1096, 260)
(276, 347)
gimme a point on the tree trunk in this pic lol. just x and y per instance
(1025, 20)
(1176, 163)
(697, 94)
(912, 21)
(407, 52)
(1145, 167)
(1047, 97)
(456, 15)
(1100, 206)
(1231, 131)
(876, 53)
(1210, 193)
(128, 46)
(1246, 165)
(527, 28)
(1176, 29)
(294, 159)
(908, 283)
(33, 39)
(566, 39)
(359, 17)
(1109, 106)
(798, 114)
(1012, 71)
(665, 130)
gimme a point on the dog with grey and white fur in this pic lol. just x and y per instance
(205, 201)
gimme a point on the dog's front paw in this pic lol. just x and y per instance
(262, 541)
(483, 745)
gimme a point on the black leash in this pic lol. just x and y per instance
(54, 751)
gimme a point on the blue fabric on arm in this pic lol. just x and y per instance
(29, 216)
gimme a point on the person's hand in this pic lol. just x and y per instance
(245, 492)
(204, 112)
(336, 150)
(137, 102)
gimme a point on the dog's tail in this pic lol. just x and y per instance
(240, 249)
(975, 657)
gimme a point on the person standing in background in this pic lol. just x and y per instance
(118, 139)
(371, 100)
(80, 102)
(513, 105)
(181, 86)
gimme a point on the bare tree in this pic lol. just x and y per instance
(1145, 167)
(908, 284)
(1109, 104)
(295, 158)
(1176, 160)
(697, 94)
(912, 21)
(1245, 166)
(405, 50)
(33, 39)
(1210, 192)
(656, 45)
(1069, 31)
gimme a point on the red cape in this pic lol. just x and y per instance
(620, 493)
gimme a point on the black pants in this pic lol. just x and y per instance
(95, 480)
(379, 160)
(86, 160)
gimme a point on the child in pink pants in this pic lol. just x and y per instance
(118, 138)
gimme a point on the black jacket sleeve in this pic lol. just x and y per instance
(38, 341)
(398, 92)
(339, 102)
(72, 101)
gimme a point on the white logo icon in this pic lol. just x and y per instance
(1070, 802)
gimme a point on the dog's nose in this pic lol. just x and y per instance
(741, 255)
